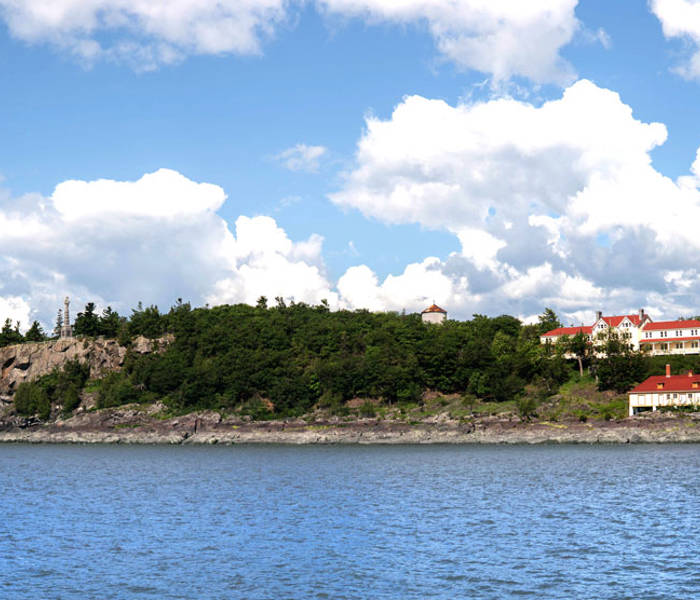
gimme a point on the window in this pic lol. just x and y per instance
(647, 334)
(679, 346)
(679, 333)
(663, 334)
(675, 396)
(664, 346)
(694, 344)
(693, 332)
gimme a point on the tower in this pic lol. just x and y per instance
(66, 329)
(434, 314)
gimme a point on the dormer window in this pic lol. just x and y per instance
(660, 386)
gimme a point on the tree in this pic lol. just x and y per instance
(10, 334)
(87, 322)
(35, 333)
(109, 323)
(580, 347)
(547, 321)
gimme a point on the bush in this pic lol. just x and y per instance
(71, 399)
(116, 390)
(32, 399)
(526, 406)
(367, 410)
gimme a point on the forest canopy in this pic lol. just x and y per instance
(282, 360)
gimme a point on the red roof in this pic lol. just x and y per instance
(672, 325)
(616, 320)
(674, 383)
(434, 308)
(568, 331)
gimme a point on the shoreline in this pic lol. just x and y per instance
(209, 428)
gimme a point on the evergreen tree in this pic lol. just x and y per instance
(87, 322)
(35, 333)
(10, 334)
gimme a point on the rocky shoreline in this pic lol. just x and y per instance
(119, 426)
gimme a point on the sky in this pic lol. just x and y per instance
(492, 156)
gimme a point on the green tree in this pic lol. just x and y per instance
(87, 322)
(109, 323)
(35, 333)
(10, 334)
(547, 321)
(580, 347)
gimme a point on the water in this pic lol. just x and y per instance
(349, 522)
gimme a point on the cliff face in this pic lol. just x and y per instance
(25, 362)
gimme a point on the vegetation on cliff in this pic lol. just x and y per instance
(282, 360)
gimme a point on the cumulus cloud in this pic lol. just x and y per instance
(263, 261)
(146, 33)
(557, 203)
(499, 37)
(302, 157)
(154, 239)
(681, 19)
(417, 287)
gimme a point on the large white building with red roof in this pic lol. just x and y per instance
(626, 327)
(639, 331)
(672, 337)
(665, 390)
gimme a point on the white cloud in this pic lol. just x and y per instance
(417, 287)
(265, 262)
(302, 157)
(14, 308)
(147, 33)
(154, 239)
(557, 203)
(165, 193)
(681, 19)
(499, 37)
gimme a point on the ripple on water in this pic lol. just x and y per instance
(349, 522)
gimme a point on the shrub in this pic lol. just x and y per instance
(367, 410)
(71, 399)
(116, 390)
(32, 399)
(526, 406)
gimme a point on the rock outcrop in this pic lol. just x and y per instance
(25, 362)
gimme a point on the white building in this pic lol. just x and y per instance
(627, 327)
(434, 314)
(665, 390)
(671, 337)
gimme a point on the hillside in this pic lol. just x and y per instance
(307, 365)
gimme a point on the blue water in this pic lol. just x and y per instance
(349, 522)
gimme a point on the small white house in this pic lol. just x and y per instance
(668, 390)
(434, 314)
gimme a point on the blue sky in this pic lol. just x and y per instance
(405, 214)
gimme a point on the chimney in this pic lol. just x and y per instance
(668, 370)
(641, 315)
(598, 315)
(690, 373)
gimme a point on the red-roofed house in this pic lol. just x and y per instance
(553, 335)
(627, 327)
(434, 314)
(665, 390)
(671, 337)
